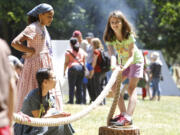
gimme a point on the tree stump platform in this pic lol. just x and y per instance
(111, 130)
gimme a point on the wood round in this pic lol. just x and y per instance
(114, 130)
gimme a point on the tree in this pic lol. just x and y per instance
(157, 26)
(169, 18)
(156, 22)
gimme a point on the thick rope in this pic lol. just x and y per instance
(39, 122)
(116, 97)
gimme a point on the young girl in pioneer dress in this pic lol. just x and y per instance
(37, 53)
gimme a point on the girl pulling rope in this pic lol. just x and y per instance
(119, 35)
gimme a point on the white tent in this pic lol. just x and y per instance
(168, 86)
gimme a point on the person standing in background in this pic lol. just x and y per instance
(96, 74)
(89, 59)
(74, 61)
(7, 90)
(155, 75)
(176, 73)
(146, 77)
(83, 44)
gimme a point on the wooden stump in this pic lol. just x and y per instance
(110, 130)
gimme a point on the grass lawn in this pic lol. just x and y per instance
(152, 117)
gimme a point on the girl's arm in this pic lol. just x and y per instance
(66, 63)
(62, 114)
(58, 115)
(53, 113)
(112, 55)
(130, 59)
(95, 57)
(17, 44)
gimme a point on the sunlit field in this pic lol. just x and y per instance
(151, 117)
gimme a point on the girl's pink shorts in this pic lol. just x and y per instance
(134, 71)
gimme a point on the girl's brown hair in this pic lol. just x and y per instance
(96, 42)
(126, 27)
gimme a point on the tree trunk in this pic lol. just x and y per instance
(109, 130)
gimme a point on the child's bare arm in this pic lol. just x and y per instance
(53, 113)
(17, 44)
(113, 56)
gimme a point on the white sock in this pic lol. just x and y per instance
(128, 117)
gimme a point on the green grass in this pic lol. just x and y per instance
(151, 117)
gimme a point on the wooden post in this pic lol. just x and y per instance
(110, 130)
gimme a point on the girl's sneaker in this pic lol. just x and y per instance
(123, 122)
(115, 119)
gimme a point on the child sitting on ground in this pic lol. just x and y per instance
(40, 104)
